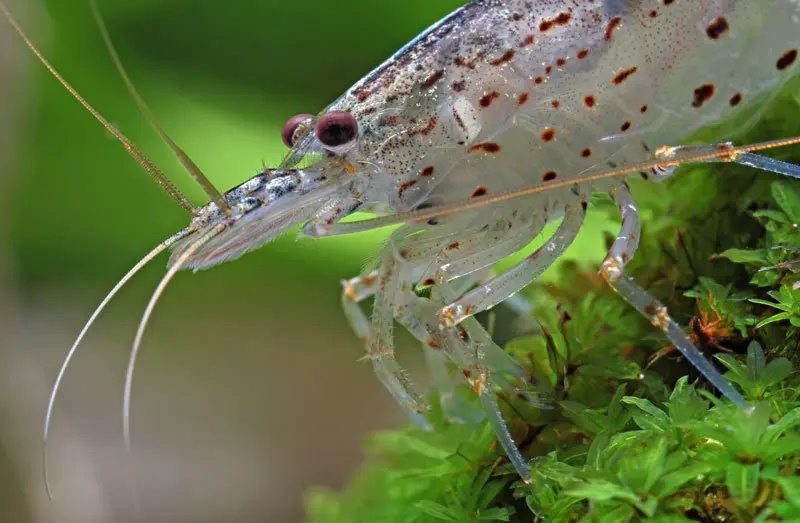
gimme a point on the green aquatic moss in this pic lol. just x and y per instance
(630, 438)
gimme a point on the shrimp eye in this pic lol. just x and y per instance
(291, 126)
(337, 129)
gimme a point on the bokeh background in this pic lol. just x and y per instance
(248, 390)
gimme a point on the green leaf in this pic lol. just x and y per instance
(437, 511)
(788, 198)
(755, 360)
(789, 420)
(617, 514)
(685, 404)
(646, 415)
(790, 485)
(746, 256)
(494, 514)
(772, 319)
(669, 483)
(742, 481)
(788, 444)
(602, 490)
(776, 371)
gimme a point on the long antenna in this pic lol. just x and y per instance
(187, 162)
(129, 146)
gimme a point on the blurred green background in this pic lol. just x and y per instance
(249, 389)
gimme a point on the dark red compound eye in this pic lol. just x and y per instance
(290, 127)
(337, 128)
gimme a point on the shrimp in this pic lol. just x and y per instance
(501, 118)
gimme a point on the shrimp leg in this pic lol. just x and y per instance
(518, 277)
(620, 254)
(757, 161)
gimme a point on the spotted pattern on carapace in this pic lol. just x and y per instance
(538, 80)
(717, 28)
(523, 99)
(643, 109)
(703, 94)
(590, 101)
(560, 20)
(527, 41)
(624, 75)
(787, 59)
(653, 13)
(548, 135)
(586, 153)
(583, 53)
(427, 171)
(736, 99)
(625, 126)
(549, 176)
(556, 104)
(486, 147)
(459, 86)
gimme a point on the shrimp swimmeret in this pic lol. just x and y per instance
(500, 118)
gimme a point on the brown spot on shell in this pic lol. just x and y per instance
(523, 99)
(488, 98)
(527, 41)
(561, 62)
(589, 101)
(612, 26)
(453, 246)
(653, 13)
(736, 99)
(487, 147)
(548, 135)
(624, 75)
(556, 104)
(586, 153)
(625, 126)
(717, 28)
(427, 171)
(432, 79)
(703, 94)
(787, 59)
(538, 80)
(549, 176)
(480, 191)
(560, 20)
(459, 86)
(507, 57)
(643, 109)
(405, 186)
(668, 2)
(583, 53)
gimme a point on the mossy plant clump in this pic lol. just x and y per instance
(633, 433)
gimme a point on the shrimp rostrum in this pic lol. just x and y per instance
(501, 118)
